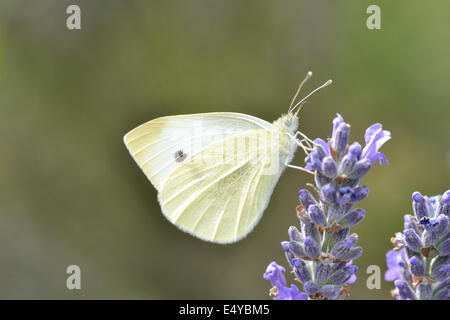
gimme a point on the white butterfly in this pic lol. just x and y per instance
(215, 172)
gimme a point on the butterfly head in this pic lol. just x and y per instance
(288, 123)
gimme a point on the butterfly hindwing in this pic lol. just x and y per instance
(220, 192)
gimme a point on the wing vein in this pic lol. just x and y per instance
(195, 196)
(241, 208)
(219, 219)
(201, 216)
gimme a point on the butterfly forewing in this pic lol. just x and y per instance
(161, 145)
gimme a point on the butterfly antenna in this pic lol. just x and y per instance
(307, 77)
(300, 107)
(326, 84)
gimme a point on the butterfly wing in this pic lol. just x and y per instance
(220, 193)
(155, 144)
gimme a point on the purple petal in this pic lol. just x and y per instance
(292, 293)
(391, 275)
(371, 131)
(337, 122)
(392, 258)
(377, 139)
(325, 146)
(393, 261)
(433, 202)
(352, 279)
(275, 274)
(313, 161)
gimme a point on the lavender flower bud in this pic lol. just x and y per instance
(404, 290)
(342, 276)
(337, 266)
(444, 205)
(310, 230)
(441, 272)
(301, 271)
(443, 284)
(337, 121)
(320, 147)
(287, 252)
(306, 198)
(353, 217)
(316, 215)
(360, 193)
(355, 149)
(294, 234)
(361, 168)
(296, 249)
(329, 193)
(429, 238)
(335, 212)
(313, 161)
(353, 238)
(347, 164)
(444, 248)
(417, 266)
(424, 290)
(354, 254)
(419, 206)
(329, 168)
(311, 288)
(312, 249)
(346, 195)
(338, 236)
(440, 261)
(321, 272)
(340, 138)
(443, 223)
(285, 246)
(442, 294)
(342, 249)
(411, 223)
(330, 291)
(412, 240)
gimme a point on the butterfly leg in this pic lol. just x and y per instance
(306, 148)
(305, 137)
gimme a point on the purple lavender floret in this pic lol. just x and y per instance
(419, 265)
(275, 274)
(321, 251)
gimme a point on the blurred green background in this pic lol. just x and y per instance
(71, 194)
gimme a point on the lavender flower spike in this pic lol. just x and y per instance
(321, 251)
(419, 265)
